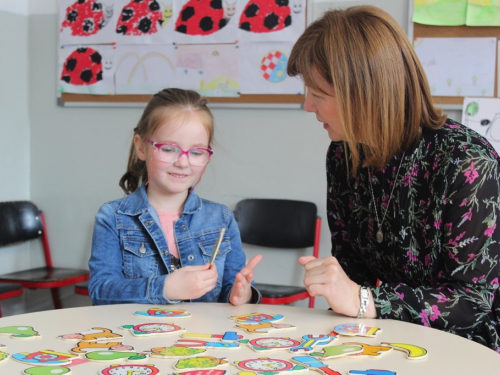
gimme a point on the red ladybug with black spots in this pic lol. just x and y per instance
(140, 17)
(82, 67)
(84, 17)
(204, 17)
(263, 16)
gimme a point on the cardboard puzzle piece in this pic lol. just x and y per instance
(272, 343)
(257, 318)
(94, 334)
(354, 329)
(20, 332)
(371, 372)
(227, 336)
(192, 343)
(315, 365)
(174, 352)
(44, 358)
(262, 328)
(93, 346)
(268, 365)
(200, 363)
(337, 351)
(130, 369)
(47, 370)
(4, 356)
(163, 313)
(112, 356)
(146, 329)
(311, 341)
(369, 350)
(202, 372)
(412, 351)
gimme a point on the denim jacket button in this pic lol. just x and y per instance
(191, 257)
(142, 249)
(184, 227)
(148, 223)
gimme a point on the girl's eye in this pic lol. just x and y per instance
(169, 149)
(196, 153)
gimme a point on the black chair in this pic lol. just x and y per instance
(22, 221)
(284, 224)
(82, 288)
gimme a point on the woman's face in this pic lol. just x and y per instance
(325, 107)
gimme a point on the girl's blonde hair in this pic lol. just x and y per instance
(164, 105)
(381, 89)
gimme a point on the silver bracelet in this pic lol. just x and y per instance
(364, 298)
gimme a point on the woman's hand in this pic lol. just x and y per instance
(190, 282)
(242, 291)
(325, 277)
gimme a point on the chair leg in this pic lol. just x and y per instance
(311, 302)
(0, 312)
(55, 298)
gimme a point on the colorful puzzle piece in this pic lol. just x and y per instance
(92, 346)
(369, 350)
(20, 332)
(257, 318)
(371, 372)
(315, 364)
(95, 334)
(192, 343)
(227, 336)
(163, 313)
(413, 351)
(4, 356)
(47, 370)
(130, 369)
(263, 327)
(202, 372)
(310, 341)
(145, 329)
(174, 352)
(44, 358)
(111, 356)
(353, 329)
(200, 363)
(268, 365)
(272, 343)
(337, 351)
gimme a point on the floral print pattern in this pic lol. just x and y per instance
(438, 264)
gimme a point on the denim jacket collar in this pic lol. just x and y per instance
(137, 203)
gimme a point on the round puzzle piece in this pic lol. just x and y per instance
(272, 343)
(268, 365)
(257, 318)
(47, 370)
(145, 329)
(130, 370)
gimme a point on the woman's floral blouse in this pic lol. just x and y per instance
(439, 260)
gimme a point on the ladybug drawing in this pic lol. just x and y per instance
(140, 17)
(82, 67)
(263, 16)
(204, 17)
(85, 17)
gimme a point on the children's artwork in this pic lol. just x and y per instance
(272, 343)
(94, 334)
(86, 69)
(191, 343)
(93, 346)
(19, 332)
(112, 356)
(369, 350)
(483, 13)
(272, 21)
(200, 363)
(47, 370)
(483, 116)
(336, 351)
(163, 313)
(211, 70)
(371, 372)
(175, 352)
(311, 341)
(263, 328)
(354, 329)
(263, 67)
(205, 21)
(257, 318)
(130, 369)
(44, 358)
(146, 69)
(458, 66)
(146, 329)
(413, 351)
(268, 365)
(440, 12)
(227, 336)
(315, 364)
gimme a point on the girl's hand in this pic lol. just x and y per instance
(190, 282)
(242, 291)
(325, 277)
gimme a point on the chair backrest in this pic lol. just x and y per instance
(19, 221)
(279, 223)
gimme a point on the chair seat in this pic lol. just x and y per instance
(46, 277)
(279, 291)
(82, 288)
(10, 290)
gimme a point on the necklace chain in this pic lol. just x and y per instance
(380, 234)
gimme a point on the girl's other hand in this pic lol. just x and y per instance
(190, 282)
(242, 290)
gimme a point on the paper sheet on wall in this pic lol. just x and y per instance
(86, 69)
(498, 69)
(144, 69)
(440, 12)
(483, 116)
(263, 67)
(458, 66)
(483, 13)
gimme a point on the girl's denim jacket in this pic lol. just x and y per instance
(130, 259)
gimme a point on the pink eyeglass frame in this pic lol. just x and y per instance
(158, 145)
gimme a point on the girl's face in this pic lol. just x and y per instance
(168, 180)
(325, 107)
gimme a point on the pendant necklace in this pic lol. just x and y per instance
(380, 234)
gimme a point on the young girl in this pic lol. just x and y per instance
(155, 245)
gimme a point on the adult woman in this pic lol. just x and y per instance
(413, 197)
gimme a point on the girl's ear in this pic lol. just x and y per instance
(140, 147)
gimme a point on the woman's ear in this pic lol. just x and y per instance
(140, 147)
